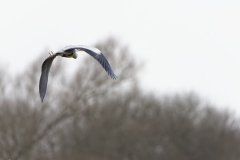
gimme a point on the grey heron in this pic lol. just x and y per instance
(71, 52)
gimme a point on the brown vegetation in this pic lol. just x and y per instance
(90, 116)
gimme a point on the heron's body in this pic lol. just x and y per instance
(71, 52)
(68, 54)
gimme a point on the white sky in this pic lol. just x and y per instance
(186, 45)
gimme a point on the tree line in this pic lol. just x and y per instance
(89, 116)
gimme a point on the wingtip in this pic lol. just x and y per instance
(114, 77)
(41, 98)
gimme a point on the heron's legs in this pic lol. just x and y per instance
(51, 53)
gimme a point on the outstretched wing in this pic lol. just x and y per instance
(95, 53)
(44, 76)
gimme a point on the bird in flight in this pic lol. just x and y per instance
(71, 52)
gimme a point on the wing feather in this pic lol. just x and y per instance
(95, 53)
(44, 76)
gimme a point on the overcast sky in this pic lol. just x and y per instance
(186, 45)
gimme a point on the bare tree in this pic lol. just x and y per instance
(89, 116)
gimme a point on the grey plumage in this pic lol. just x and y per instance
(71, 52)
